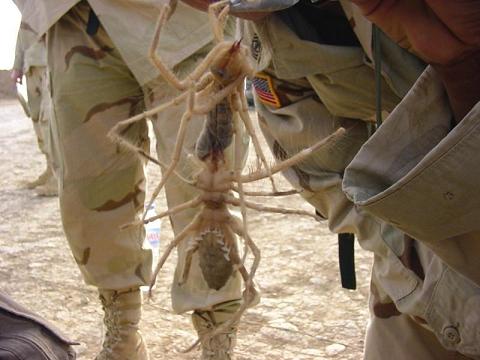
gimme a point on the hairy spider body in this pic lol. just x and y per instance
(214, 240)
(214, 257)
(217, 133)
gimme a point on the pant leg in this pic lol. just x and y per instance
(195, 293)
(101, 184)
(36, 90)
(45, 117)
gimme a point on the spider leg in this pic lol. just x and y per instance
(188, 263)
(182, 130)
(238, 175)
(173, 6)
(243, 111)
(295, 159)
(192, 227)
(186, 205)
(203, 66)
(243, 271)
(209, 99)
(167, 74)
(205, 81)
(236, 227)
(268, 193)
(217, 14)
(165, 13)
(114, 132)
(260, 207)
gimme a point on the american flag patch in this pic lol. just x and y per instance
(263, 85)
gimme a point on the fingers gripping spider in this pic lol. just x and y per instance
(215, 88)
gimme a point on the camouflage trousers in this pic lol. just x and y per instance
(40, 107)
(415, 296)
(102, 185)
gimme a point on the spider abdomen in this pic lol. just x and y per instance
(214, 258)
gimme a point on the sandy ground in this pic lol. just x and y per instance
(304, 312)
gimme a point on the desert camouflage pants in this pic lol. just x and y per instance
(39, 106)
(102, 185)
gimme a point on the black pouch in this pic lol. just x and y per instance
(321, 21)
(24, 335)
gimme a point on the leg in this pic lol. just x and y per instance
(206, 100)
(37, 104)
(295, 159)
(193, 293)
(182, 207)
(217, 14)
(167, 74)
(237, 229)
(179, 144)
(238, 174)
(250, 294)
(221, 346)
(260, 207)
(191, 228)
(269, 193)
(243, 111)
(116, 134)
(50, 187)
(188, 263)
(102, 185)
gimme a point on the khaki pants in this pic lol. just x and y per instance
(408, 279)
(323, 87)
(103, 185)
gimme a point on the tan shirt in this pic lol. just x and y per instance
(342, 76)
(131, 25)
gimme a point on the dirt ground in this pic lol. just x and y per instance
(304, 312)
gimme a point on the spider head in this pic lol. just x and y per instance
(229, 64)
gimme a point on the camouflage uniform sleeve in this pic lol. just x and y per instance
(19, 52)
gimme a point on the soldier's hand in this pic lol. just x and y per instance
(439, 31)
(444, 33)
(250, 15)
(16, 76)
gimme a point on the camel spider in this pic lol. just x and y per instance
(215, 88)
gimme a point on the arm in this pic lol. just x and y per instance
(249, 10)
(198, 4)
(445, 34)
(17, 71)
(462, 83)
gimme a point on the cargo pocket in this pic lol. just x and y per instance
(454, 313)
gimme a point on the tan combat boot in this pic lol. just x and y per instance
(122, 339)
(42, 179)
(49, 188)
(220, 346)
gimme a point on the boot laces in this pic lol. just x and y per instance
(218, 346)
(112, 336)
